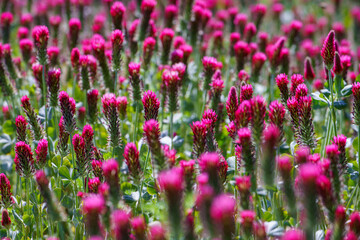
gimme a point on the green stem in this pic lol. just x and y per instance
(142, 182)
(332, 101)
(115, 81)
(44, 100)
(171, 129)
(136, 121)
(204, 103)
(27, 196)
(358, 152)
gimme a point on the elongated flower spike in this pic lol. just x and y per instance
(134, 77)
(243, 184)
(152, 135)
(301, 91)
(274, 53)
(138, 224)
(147, 7)
(41, 153)
(170, 13)
(9, 63)
(340, 141)
(120, 224)
(21, 125)
(246, 92)
(332, 153)
(24, 160)
(151, 105)
(232, 103)
(117, 12)
(53, 83)
(222, 213)
(325, 191)
(157, 232)
(241, 50)
(34, 122)
(199, 138)
(53, 55)
(172, 82)
(22, 33)
(96, 166)
(247, 156)
(117, 39)
(284, 166)
(94, 184)
(247, 218)
(210, 64)
(98, 46)
(296, 80)
(282, 83)
(338, 66)
(68, 109)
(258, 108)
(148, 49)
(306, 127)
(74, 30)
(249, 32)
(328, 50)
(111, 173)
(5, 191)
(309, 73)
(277, 116)
(37, 72)
(6, 20)
(92, 100)
(209, 163)
(271, 140)
(40, 35)
(292, 105)
(172, 184)
(243, 114)
(63, 138)
(131, 155)
(258, 60)
(109, 104)
(5, 219)
(166, 38)
(93, 207)
(26, 47)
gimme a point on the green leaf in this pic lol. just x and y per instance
(6, 148)
(3, 233)
(28, 220)
(355, 144)
(319, 100)
(128, 188)
(151, 190)
(9, 127)
(64, 172)
(346, 91)
(67, 202)
(4, 138)
(340, 104)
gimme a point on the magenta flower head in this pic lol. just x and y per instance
(293, 234)
(40, 35)
(92, 99)
(282, 83)
(271, 140)
(134, 77)
(21, 124)
(296, 80)
(258, 108)
(302, 155)
(26, 47)
(157, 232)
(306, 127)
(338, 66)
(24, 160)
(152, 135)
(53, 54)
(148, 48)
(210, 64)
(41, 153)
(121, 106)
(309, 73)
(68, 108)
(328, 50)
(138, 224)
(308, 174)
(117, 39)
(111, 173)
(6, 19)
(22, 33)
(171, 12)
(166, 38)
(63, 138)
(243, 184)
(247, 218)
(120, 224)
(147, 7)
(241, 50)
(117, 12)
(75, 59)
(34, 122)
(355, 223)
(109, 104)
(53, 83)
(324, 189)
(74, 30)
(151, 105)
(93, 207)
(172, 183)
(356, 103)
(5, 191)
(131, 155)
(274, 53)
(301, 91)
(340, 141)
(258, 61)
(5, 219)
(243, 114)
(232, 103)
(277, 116)
(172, 82)
(258, 12)
(284, 165)
(199, 137)
(222, 212)
(246, 92)
(94, 184)
(209, 163)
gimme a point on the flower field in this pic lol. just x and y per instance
(180, 119)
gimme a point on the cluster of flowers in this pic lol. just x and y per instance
(249, 163)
